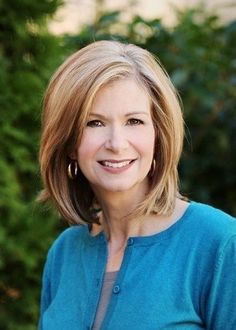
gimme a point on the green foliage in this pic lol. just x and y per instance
(28, 54)
(198, 55)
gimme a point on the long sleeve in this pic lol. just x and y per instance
(221, 304)
(45, 294)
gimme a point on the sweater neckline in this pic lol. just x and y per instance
(100, 238)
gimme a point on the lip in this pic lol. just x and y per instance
(115, 166)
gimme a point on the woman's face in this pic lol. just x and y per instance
(117, 145)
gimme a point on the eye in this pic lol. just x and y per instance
(94, 123)
(134, 122)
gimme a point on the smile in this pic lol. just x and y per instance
(115, 163)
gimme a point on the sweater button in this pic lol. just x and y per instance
(130, 241)
(116, 289)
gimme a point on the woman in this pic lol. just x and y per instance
(138, 256)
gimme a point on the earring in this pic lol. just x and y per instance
(153, 167)
(72, 170)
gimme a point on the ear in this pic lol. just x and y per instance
(72, 153)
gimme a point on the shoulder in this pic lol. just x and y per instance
(211, 215)
(69, 241)
(211, 223)
(72, 233)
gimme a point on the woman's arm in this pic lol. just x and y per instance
(221, 302)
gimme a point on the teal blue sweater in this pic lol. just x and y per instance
(181, 278)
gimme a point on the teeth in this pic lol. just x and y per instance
(116, 165)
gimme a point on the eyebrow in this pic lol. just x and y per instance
(135, 113)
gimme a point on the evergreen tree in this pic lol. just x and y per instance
(28, 54)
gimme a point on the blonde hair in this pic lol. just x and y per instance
(67, 103)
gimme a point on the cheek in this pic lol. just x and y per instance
(147, 143)
(85, 154)
(88, 146)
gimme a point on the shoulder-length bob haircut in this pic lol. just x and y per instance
(68, 100)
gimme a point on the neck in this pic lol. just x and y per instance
(118, 230)
(116, 206)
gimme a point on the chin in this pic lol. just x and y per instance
(117, 189)
(120, 187)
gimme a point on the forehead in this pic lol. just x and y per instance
(121, 95)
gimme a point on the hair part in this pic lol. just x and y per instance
(67, 103)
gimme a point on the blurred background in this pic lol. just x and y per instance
(195, 41)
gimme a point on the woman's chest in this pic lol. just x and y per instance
(149, 293)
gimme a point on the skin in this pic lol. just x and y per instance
(115, 154)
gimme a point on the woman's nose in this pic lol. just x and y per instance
(116, 139)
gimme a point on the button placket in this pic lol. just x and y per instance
(117, 288)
